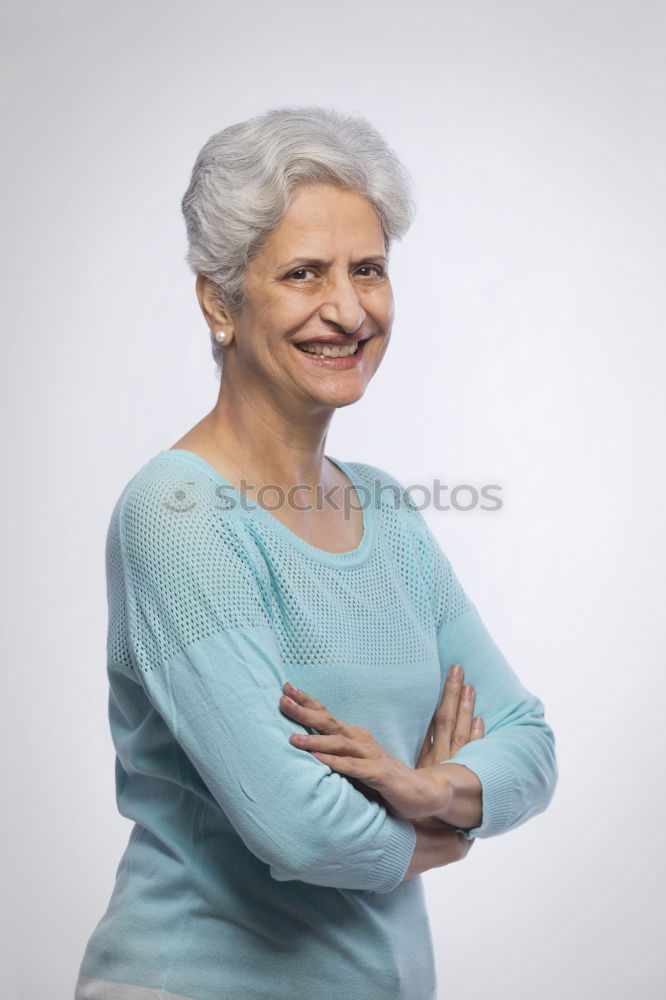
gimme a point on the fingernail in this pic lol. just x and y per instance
(456, 671)
(467, 691)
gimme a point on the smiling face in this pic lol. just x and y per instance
(320, 276)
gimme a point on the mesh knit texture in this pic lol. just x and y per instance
(254, 870)
(243, 572)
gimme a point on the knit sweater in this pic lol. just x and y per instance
(253, 871)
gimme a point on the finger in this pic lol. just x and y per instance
(426, 746)
(301, 697)
(351, 766)
(478, 728)
(446, 714)
(313, 718)
(336, 744)
(463, 727)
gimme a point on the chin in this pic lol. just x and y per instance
(342, 396)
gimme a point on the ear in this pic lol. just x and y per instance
(212, 306)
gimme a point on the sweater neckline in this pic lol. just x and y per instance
(249, 507)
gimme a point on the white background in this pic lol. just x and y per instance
(527, 351)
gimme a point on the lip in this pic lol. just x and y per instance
(334, 341)
(337, 364)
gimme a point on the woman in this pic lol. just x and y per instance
(280, 830)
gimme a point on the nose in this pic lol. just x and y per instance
(343, 306)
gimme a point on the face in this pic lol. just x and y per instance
(321, 275)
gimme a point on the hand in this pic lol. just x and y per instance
(354, 752)
(436, 847)
(451, 727)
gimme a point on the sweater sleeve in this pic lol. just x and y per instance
(515, 760)
(201, 641)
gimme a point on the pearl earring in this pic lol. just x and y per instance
(221, 336)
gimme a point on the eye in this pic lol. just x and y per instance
(371, 270)
(300, 271)
(379, 272)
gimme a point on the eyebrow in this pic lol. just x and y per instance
(326, 263)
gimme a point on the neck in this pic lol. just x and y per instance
(268, 440)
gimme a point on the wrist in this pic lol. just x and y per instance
(464, 805)
(439, 795)
(435, 847)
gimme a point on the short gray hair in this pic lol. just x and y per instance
(245, 177)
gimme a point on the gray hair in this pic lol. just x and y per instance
(245, 177)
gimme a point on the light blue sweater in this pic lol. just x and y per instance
(253, 871)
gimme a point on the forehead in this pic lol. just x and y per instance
(322, 218)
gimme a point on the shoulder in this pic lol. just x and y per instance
(395, 496)
(392, 499)
(404, 523)
(170, 483)
(169, 478)
(178, 562)
(385, 489)
(172, 508)
(399, 516)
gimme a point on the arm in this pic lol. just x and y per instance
(436, 846)
(209, 661)
(515, 761)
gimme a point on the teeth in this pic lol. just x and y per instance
(329, 351)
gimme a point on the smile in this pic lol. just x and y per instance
(338, 357)
(330, 350)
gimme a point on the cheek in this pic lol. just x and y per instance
(382, 347)
(390, 303)
(283, 315)
(266, 325)
(380, 306)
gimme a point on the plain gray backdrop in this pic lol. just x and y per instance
(527, 351)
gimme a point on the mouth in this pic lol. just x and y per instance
(333, 356)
